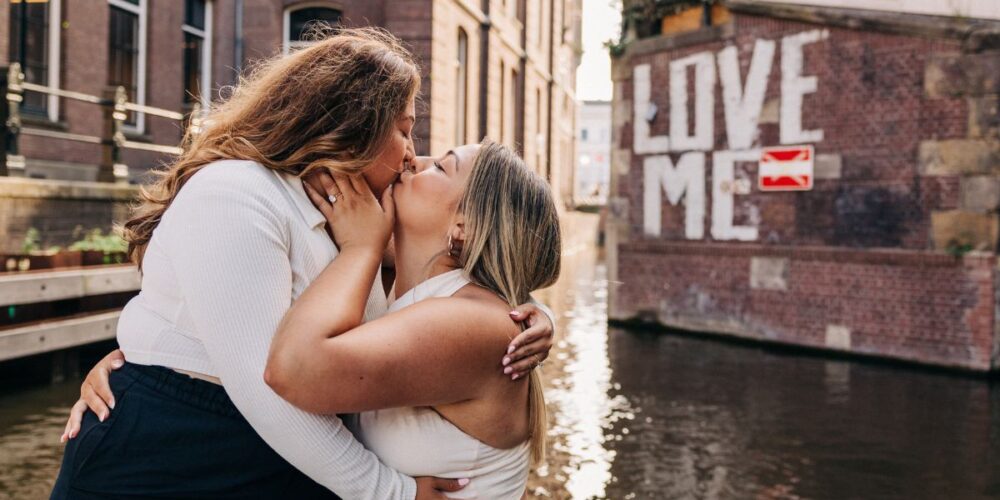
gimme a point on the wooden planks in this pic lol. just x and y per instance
(27, 288)
(53, 335)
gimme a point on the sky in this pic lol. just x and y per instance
(601, 22)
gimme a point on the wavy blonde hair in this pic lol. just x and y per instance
(512, 246)
(331, 105)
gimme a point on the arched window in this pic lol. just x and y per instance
(462, 88)
(300, 19)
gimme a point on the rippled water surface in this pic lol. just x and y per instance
(652, 415)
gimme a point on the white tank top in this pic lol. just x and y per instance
(420, 442)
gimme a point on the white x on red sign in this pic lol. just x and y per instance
(786, 168)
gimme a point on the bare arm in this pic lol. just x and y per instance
(436, 352)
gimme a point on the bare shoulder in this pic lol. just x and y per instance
(473, 312)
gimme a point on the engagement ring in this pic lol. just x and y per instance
(332, 198)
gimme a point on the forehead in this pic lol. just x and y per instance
(466, 154)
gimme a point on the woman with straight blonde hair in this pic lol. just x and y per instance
(228, 240)
(476, 232)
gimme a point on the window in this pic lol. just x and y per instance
(127, 53)
(34, 43)
(197, 52)
(462, 87)
(300, 20)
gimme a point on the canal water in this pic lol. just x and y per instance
(636, 414)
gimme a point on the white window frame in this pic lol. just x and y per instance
(206, 55)
(142, 10)
(286, 23)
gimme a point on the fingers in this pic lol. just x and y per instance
(527, 311)
(526, 358)
(328, 184)
(344, 185)
(321, 202)
(73, 423)
(431, 487)
(101, 386)
(449, 485)
(359, 185)
(94, 402)
(116, 359)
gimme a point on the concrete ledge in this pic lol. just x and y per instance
(803, 253)
(986, 31)
(16, 187)
(47, 286)
(50, 336)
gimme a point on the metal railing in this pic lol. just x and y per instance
(112, 141)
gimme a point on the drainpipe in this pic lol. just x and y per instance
(484, 67)
(238, 38)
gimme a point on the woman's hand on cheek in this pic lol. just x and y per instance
(356, 218)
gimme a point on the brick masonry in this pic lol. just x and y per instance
(893, 252)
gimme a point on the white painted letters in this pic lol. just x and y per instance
(794, 86)
(687, 180)
(642, 142)
(742, 104)
(704, 104)
(723, 174)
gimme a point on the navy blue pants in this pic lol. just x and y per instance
(172, 436)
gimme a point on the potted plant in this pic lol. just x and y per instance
(100, 249)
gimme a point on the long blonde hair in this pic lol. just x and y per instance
(512, 245)
(330, 105)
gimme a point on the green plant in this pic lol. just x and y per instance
(96, 240)
(30, 243)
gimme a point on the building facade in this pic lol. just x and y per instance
(593, 168)
(498, 68)
(809, 175)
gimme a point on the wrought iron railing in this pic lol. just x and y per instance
(112, 140)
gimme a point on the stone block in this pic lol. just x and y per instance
(838, 337)
(958, 156)
(828, 166)
(963, 229)
(984, 117)
(768, 273)
(979, 193)
(953, 75)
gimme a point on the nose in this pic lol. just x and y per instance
(420, 163)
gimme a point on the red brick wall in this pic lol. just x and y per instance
(859, 254)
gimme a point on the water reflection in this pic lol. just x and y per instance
(722, 421)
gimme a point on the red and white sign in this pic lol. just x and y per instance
(786, 168)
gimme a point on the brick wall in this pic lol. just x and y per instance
(906, 174)
(57, 208)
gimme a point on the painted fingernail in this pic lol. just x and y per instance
(508, 370)
(515, 376)
(511, 348)
(464, 481)
(112, 403)
(506, 360)
(513, 313)
(103, 416)
(117, 364)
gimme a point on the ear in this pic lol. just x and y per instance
(457, 230)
